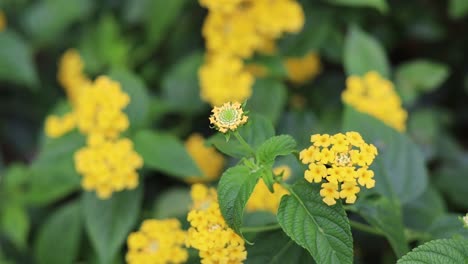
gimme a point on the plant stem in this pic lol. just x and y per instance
(255, 229)
(243, 142)
(365, 228)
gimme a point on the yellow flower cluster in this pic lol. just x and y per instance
(208, 231)
(262, 199)
(107, 163)
(108, 166)
(3, 21)
(71, 74)
(157, 242)
(208, 160)
(343, 161)
(233, 31)
(227, 117)
(376, 96)
(303, 69)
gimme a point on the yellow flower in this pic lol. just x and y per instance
(262, 199)
(376, 96)
(3, 21)
(71, 74)
(108, 166)
(231, 34)
(300, 70)
(227, 117)
(208, 231)
(208, 160)
(224, 79)
(225, 6)
(275, 17)
(343, 161)
(157, 241)
(99, 108)
(57, 126)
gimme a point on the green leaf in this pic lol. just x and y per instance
(157, 27)
(234, 190)
(255, 132)
(447, 226)
(14, 178)
(421, 212)
(268, 99)
(16, 61)
(172, 203)
(108, 222)
(15, 223)
(138, 108)
(180, 88)
(321, 229)
(385, 215)
(276, 146)
(166, 153)
(64, 225)
(458, 8)
(276, 248)
(380, 5)
(400, 171)
(440, 251)
(418, 76)
(363, 53)
(55, 17)
(451, 180)
(300, 125)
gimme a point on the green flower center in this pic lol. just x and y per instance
(228, 116)
(343, 159)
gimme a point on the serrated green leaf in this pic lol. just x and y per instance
(363, 53)
(418, 76)
(385, 215)
(180, 88)
(108, 222)
(64, 225)
(458, 8)
(255, 132)
(380, 5)
(275, 146)
(400, 170)
(166, 153)
(276, 248)
(234, 190)
(440, 251)
(133, 85)
(16, 60)
(321, 229)
(14, 223)
(268, 99)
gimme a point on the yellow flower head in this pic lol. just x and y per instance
(376, 96)
(301, 70)
(3, 21)
(224, 79)
(209, 233)
(99, 108)
(342, 161)
(208, 160)
(231, 34)
(227, 117)
(108, 166)
(224, 6)
(157, 241)
(262, 199)
(71, 74)
(56, 126)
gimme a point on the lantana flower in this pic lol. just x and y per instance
(227, 117)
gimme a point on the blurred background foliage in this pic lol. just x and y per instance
(154, 49)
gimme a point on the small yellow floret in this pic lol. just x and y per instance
(158, 242)
(262, 199)
(208, 160)
(302, 69)
(343, 161)
(71, 74)
(227, 117)
(376, 96)
(56, 126)
(108, 167)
